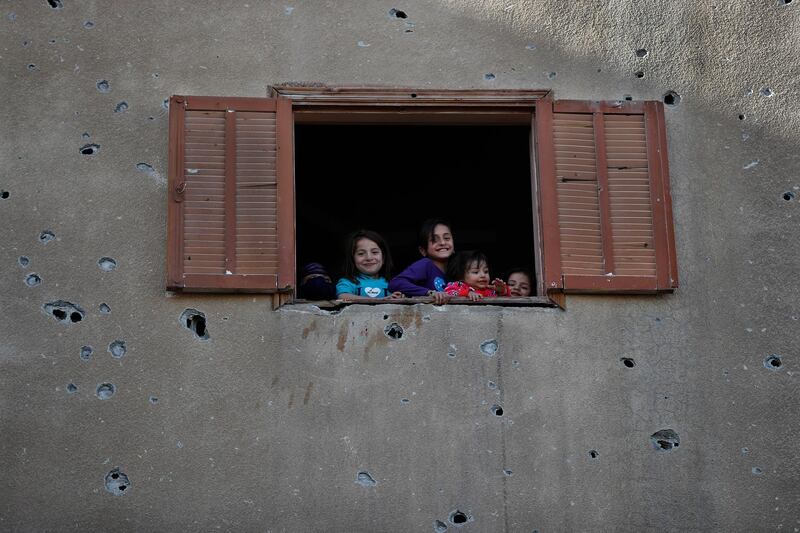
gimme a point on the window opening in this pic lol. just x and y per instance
(389, 178)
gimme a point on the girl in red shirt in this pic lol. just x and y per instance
(472, 269)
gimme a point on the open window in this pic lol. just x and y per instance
(260, 186)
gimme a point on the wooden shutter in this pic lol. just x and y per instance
(231, 195)
(604, 192)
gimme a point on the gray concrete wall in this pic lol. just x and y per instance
(266, 425)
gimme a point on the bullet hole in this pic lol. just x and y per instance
(195, 321)
(117, 349)
(497, 410)
(362, 44)
(104, 309)
(784, 2)
(766, 92)
(31, 66)
(458, 518)
(144, 167)
(46, 236)
(72, 388)
(439, 526)
(413, 95)
(451, 355)
(86, 352)
(593, 454)
(23, 261)
(103, 86)
(85, 135)
(105, 391)
(530, 46)
(117, 483)
(90, 149)
(365, 479)
(88, 24)
(394, 331)
(515, 363)
(672, 99)
(405, 401)
(121, 107)
(773, 362)
(165, 103)
(489, 76)
(745, 450)
(628, 362)
(12, 17)
(64, 311)
(288, 10)
(153, 400)
(552, 75)
(641, 52)
(627, 97)
(742, 116)
(789, 196)
(508, 472)
(55, 4)
(756, 471)
(106, 264)
(52, 41)
(396, 13)
(386, 317)
(492, 385)
(489, 348)
(665, 440)
(639, 74)
(33, 279)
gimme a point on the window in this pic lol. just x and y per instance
(593, 211)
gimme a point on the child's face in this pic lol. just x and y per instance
(477, 275)
(368, 257)
(520, 284)
(441, 245)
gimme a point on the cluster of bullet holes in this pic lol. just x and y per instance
(106, 264)
(641, 52)
(195, 321)
(104, 309)
(671, 98)
(489, 348)
(86, 352)
(665, 440)
(789, 196)
(64, 312)
(33, 279)
(46, 236)
(23, 261)
(365, 479)
(117, 349)
(121, 107)
(90, 149)
(105, 391)
(103, 86)
(497, 410)
(117, 483)
(394, 331)
(4, 195)
(458, 518)
(628, 362)
(593, 454)
(773, 362)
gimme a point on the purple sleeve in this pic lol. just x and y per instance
(413, 280)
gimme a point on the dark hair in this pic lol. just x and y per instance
(461, 261)
(426, 231)
(349, 269)
(522, 270)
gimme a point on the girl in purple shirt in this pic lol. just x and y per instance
(427, 277)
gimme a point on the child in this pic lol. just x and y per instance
(520, 281)
(427, 277)
(472, 269)
(316, 284)
(366, 265)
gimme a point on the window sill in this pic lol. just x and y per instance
(532, 301)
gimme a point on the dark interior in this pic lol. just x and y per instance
(391, 178)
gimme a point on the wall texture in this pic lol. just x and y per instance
(300, 420)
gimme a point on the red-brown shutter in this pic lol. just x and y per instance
(604, 192)
(231, 195)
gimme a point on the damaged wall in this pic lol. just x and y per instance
(124, 407)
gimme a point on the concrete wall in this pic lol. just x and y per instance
(266, 425)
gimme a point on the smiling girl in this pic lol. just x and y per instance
(427, 277)
(366, 265)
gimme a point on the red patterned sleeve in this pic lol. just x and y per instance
(457, 288)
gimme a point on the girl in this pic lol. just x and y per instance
(366, 265)
(472, 269)
(427, 277)
(520, 281)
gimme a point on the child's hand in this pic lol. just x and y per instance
(439, 298)
(474, 296)
(500, 287)
(395, 295)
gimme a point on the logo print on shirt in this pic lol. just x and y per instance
(372, 292)
(438, 284)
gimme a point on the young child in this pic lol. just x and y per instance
(316, 284)
(366, 265)
(427, 277)
(520, 281)
(472, 269)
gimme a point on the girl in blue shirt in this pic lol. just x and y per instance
(367, 264)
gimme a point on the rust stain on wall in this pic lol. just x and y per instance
(308, 393)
